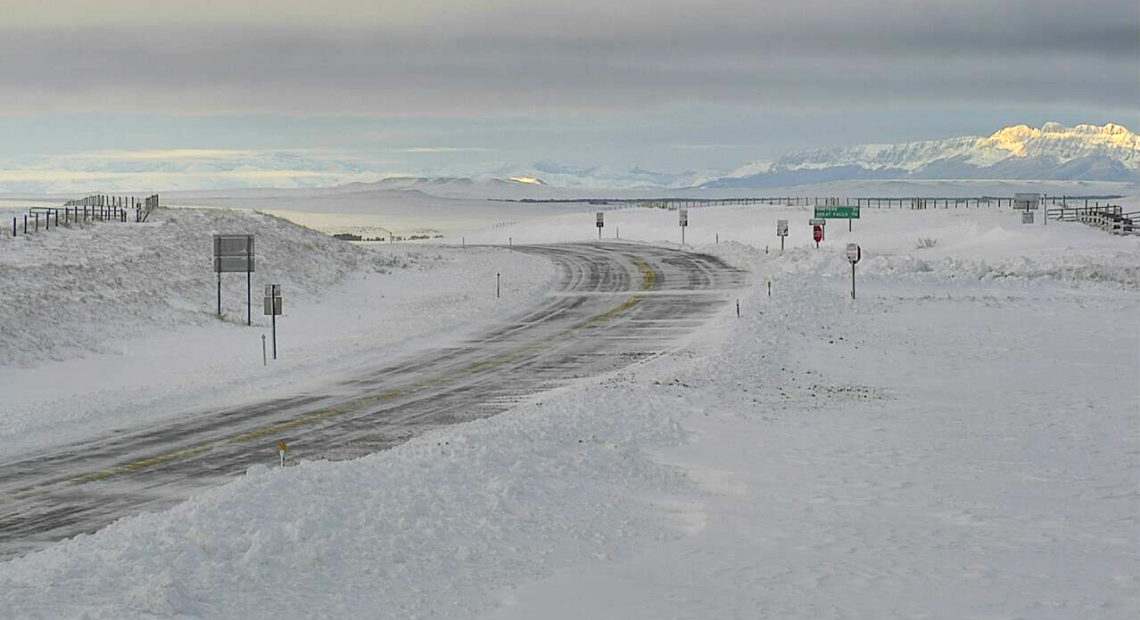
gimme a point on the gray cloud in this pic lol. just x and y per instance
(515, 59)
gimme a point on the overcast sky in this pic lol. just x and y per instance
(430, 84)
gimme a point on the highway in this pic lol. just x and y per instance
(615, 304)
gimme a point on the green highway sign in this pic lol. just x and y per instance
(838, 213)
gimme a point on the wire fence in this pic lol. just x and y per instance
(95, 208)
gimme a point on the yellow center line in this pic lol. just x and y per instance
(649, 281)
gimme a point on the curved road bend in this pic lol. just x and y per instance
(615, 304)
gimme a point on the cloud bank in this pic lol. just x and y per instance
(497, 58)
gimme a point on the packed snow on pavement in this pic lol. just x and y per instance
(961, 440)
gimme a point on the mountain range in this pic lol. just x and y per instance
(1054, 152)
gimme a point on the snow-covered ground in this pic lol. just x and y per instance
(960, 441)
(115, 324)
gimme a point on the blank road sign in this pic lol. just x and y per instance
(1026, 200)
(233, 253)
(782, 228)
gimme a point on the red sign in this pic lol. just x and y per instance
(817, 233)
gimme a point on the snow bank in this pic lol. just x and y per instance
(428, 529)
(958, 442)
(87, 287)
(115, 324)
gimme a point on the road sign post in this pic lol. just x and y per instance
(817, 229)
(601, 224)
(854, 253)
(273, 308)
(234, 253)
(684, 223)
(781, 232)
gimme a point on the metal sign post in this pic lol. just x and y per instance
(854, 253)
(781, 232)
(817, 228)
(234, 253)
(601, 224)
(684, 224)
(273, 308)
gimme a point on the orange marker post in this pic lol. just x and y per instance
(281, 451)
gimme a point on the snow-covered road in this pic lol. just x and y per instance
(616, 304)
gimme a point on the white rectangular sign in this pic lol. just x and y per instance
(601, 219)
(815, 222)
(684, 217)
(782, 228)
(854, 252)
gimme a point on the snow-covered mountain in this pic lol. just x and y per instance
(1053, 152)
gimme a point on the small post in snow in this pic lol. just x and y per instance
(498, 281)
(264, 359)
(854, 253)
(273, 308)
(281, 448)
(769, 288)
(738, 308)
(511, 243)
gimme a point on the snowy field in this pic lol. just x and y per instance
(115, 324)
(960, 441)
